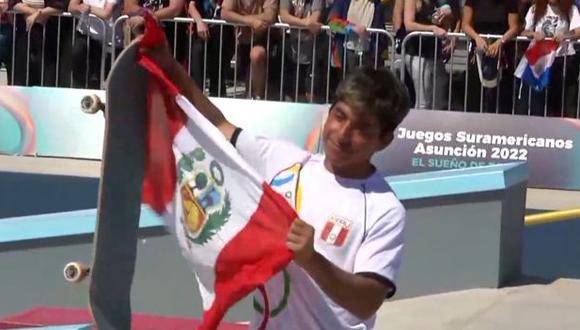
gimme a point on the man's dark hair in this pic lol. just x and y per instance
(378, 92)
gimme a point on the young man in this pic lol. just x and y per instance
(349, 238)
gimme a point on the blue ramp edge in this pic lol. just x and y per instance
(458, 181)
(62, 224)
(407, 187)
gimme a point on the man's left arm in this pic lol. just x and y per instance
(363, 292)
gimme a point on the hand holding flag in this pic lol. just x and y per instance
(535, 66)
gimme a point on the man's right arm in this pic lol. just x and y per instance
(177, 74)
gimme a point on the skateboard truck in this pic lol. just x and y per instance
(75, 272)
(92, 104)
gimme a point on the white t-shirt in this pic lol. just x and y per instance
(358, 227)
(552, 24)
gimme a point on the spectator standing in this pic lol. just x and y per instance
(560, 20)
(430, 79)
(207, 47)
(497, 17)
(91, 30)
(35, 61)
(257, 16)
(304, 14)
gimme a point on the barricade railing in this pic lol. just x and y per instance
(297, 61)
(305, 67)
(424, 58)
(48, 55)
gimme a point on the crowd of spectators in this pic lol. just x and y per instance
(304, 63)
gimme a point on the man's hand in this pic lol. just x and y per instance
(538, 36)
(481, 44)
(559, 37)
(258, 25)
(31, 19)
(161, 55)
(439, 32)
(441, 14)
(202, 31)
(313, 25)
(300, 240)
(136, 24)
(493, 49)
(361, 31)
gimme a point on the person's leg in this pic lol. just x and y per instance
(506, 92)
(321, 70)
(79, 61)
(96, 62)
(49, 52)
(571, 87)
(416, 67)
(258, 71)
(5, 42)
(20, 57)
(428, 73)
(555, 88)
(289, 80)
(36, 50)
(6, 48)
(440, 85)
(196, 61)
(220, 51)
(474, 102)
(64, 62)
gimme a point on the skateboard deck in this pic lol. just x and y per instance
(119, 203)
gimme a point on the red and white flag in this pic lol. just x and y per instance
(231, 225)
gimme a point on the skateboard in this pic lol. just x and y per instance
(119, 203)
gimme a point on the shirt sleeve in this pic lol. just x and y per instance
(530, 19)
(268, 156)
(469, 3)
(574, 18)
(381, 250)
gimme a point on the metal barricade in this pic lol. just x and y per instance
(302, 67)
(509, 96)
(51, 62)
(289, 50)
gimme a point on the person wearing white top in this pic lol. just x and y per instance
(559, 20)
(91, 30)
(348, 239)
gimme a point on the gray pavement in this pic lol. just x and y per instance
(554, 305)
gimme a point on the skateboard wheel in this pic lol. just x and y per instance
(75, 272)
(91, 104)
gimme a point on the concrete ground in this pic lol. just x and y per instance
(552, 305)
